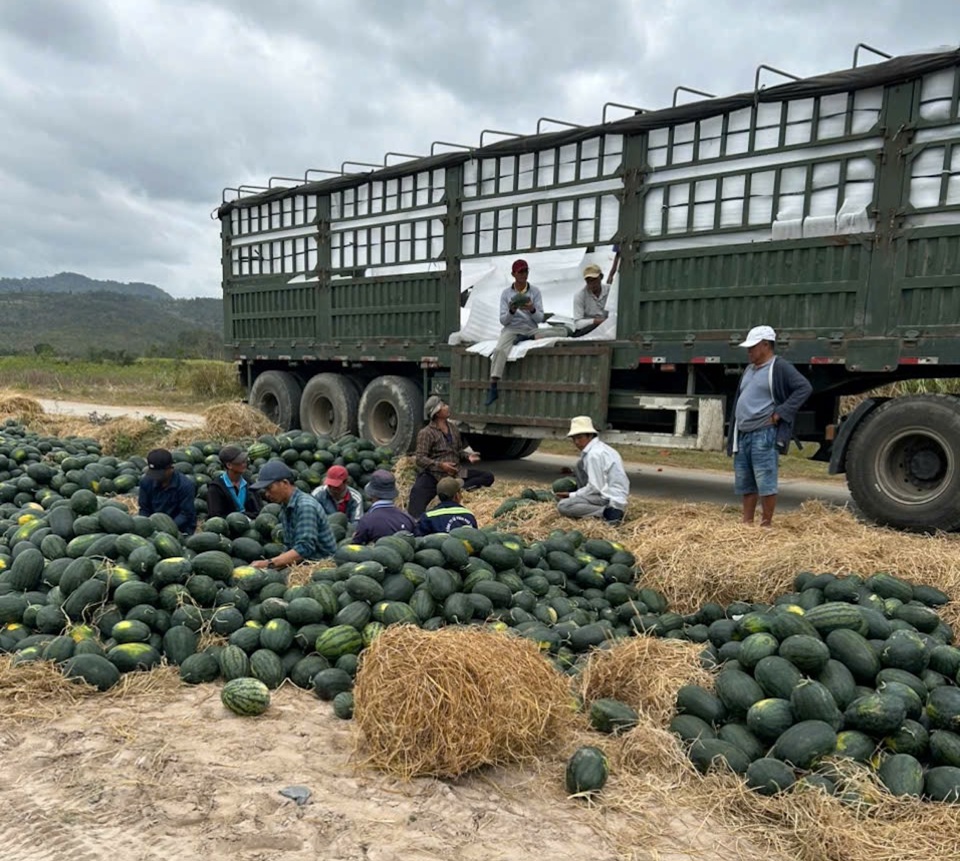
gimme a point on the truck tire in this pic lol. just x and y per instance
(277, 395)
(329, 405)
(493, 447)
(390, 413)
(903, 466)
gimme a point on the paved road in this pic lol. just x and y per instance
(664, 482)
(669, 482)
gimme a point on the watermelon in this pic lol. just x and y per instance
(246, 696)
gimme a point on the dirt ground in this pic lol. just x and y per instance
(172, 774)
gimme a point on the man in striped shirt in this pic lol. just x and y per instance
(441, 453)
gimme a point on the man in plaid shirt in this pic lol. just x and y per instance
(441, 452)
(305, 529)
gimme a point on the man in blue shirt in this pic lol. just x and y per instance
(383, 517)
(164, 490)
(305, 529)
(449, 513)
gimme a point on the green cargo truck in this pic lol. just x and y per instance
(827, 207)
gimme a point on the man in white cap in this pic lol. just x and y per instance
(590, 303)
(762, 416)
(602, 483)
(440, 453)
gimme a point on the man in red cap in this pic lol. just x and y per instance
(335, 494)
(521, 312)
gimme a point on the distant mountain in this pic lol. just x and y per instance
(91, 319)
(72, 282)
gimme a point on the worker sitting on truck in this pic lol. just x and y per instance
(764, 410)
(383, 517)
(521, 312)
(441, 453)
(602, 483)
(164, 490)
(590, 303)
(306, 532)
(449, 512)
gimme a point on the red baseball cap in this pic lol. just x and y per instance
(517, 266)
(336, 476)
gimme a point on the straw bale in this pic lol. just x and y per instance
(236, 421)
(645, 673)
(19, 407)
(443, 703)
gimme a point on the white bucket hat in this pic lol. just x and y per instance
(582, 424)
(758, 334)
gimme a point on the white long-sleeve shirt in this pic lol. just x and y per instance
(604, 473)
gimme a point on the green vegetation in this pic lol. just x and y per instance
(178, 383)
(104, 320)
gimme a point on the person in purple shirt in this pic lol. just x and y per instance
(383, 517)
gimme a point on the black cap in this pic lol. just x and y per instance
(158, 462)
(230, 453)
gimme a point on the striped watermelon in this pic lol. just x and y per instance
(246, 696)
(339, 640)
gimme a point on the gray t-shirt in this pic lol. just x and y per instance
(755, 404)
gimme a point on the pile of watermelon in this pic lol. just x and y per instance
(862, 668)
(41, 469)
(87, 585)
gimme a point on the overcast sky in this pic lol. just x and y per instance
(122, 120)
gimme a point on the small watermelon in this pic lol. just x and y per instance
(246, 696)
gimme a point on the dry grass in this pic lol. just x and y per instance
(236, 421)
(447, 702)
(645, 673)
(39, 691)
(809, 825)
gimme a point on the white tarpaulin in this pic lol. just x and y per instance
(557, 274)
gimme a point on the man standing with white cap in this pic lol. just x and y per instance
(770, 393)
(602, 483)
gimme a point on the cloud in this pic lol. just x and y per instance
(124, 121)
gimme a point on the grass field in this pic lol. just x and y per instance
(177, 383)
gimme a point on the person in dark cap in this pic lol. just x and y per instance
(449, 512)
(383, 517)
(164, 490)
(229, 491)
(441, 453)
(306, 532)
(335, 494)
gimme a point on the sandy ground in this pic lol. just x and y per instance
(174, 418)
(172, 774)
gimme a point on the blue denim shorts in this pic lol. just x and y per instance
(755, 462)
